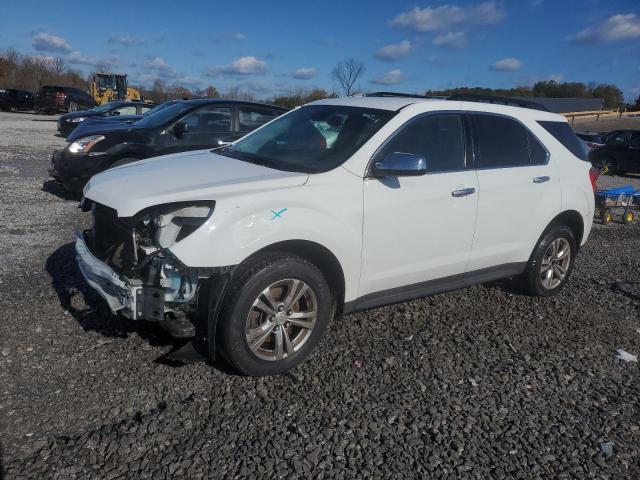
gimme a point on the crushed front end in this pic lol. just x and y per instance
(127, 260)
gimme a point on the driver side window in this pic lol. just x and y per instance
(209, 120)
(439, 138)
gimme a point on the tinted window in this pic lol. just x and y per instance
(618, 138)
(502, 142)
(145, 109)
(537, 152)
(437, 138)
(311, 139)
(252, 117)
(209, 119)
(563, 132)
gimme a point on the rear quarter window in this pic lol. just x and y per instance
(563, 132)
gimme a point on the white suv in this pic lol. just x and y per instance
(339, 205)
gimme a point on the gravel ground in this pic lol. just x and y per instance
(479, 383)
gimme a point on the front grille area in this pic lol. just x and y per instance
(112, 239)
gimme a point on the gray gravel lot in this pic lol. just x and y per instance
(480, 383)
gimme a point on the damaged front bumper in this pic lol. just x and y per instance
(120, 294)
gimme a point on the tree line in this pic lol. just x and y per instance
(30, 72)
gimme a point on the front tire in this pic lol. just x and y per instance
(275, 313)
(551, 262)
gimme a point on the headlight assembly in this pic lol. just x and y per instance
(171, 223)
(78, 119)
(85, 144)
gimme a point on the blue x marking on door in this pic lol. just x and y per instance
(278, 214)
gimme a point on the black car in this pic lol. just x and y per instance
(620, 152)
(184, 125)
(128, 110)
(54, 99)
(13, 99)
(91, 122)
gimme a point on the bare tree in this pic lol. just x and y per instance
(346, 74)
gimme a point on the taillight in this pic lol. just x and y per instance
(594, 173)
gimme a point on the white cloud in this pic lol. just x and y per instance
(157, 63)
(242, 66)
(429, 19)
(80, 59)
(125, 40)
(304, 73)
(451, 40)
(506, 65)
(44, 42)
(394, 51)
(615, 28)
(392, 77)
(238, 36)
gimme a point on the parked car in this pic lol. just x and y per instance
(591, 139)
(54, 99)
(91, 122)
(128, 110)
(184, 125)
(620, 153)
(13, 99)
(338, 206)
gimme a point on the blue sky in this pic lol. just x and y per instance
(271, 47)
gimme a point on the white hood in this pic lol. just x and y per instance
(199, 175)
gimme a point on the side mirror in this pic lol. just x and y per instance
(398, 164)
(180, 128)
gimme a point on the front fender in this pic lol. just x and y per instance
(322, 211)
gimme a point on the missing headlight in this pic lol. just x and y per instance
(165, 225)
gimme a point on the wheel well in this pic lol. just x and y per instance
(322, 258)
(573, 220)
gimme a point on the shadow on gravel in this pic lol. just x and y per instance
(86, 306)
(54, 188)
(92, 313)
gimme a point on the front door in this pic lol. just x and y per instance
(206, 126)
(420, 229)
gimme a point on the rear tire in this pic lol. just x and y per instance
(274, 314)
(551, 262)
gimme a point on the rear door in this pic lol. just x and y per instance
(519, 192)
(631, 159)
(251, 117)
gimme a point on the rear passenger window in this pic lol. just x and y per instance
(502, 142)
(438, 138)
(563, 132)
(252, 118)
(537, 152)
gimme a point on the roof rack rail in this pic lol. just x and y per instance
(512, 101)
(395, 94)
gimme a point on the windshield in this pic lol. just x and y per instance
(311, 139)
(164, 115)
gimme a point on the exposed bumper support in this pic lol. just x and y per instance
(121, 296)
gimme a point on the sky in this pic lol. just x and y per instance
(269, 48)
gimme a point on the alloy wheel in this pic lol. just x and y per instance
(281, 319)
(555, 263)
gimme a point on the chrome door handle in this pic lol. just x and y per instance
(542, 179)
(463, 192)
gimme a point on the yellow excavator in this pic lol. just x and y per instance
(109, 87)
